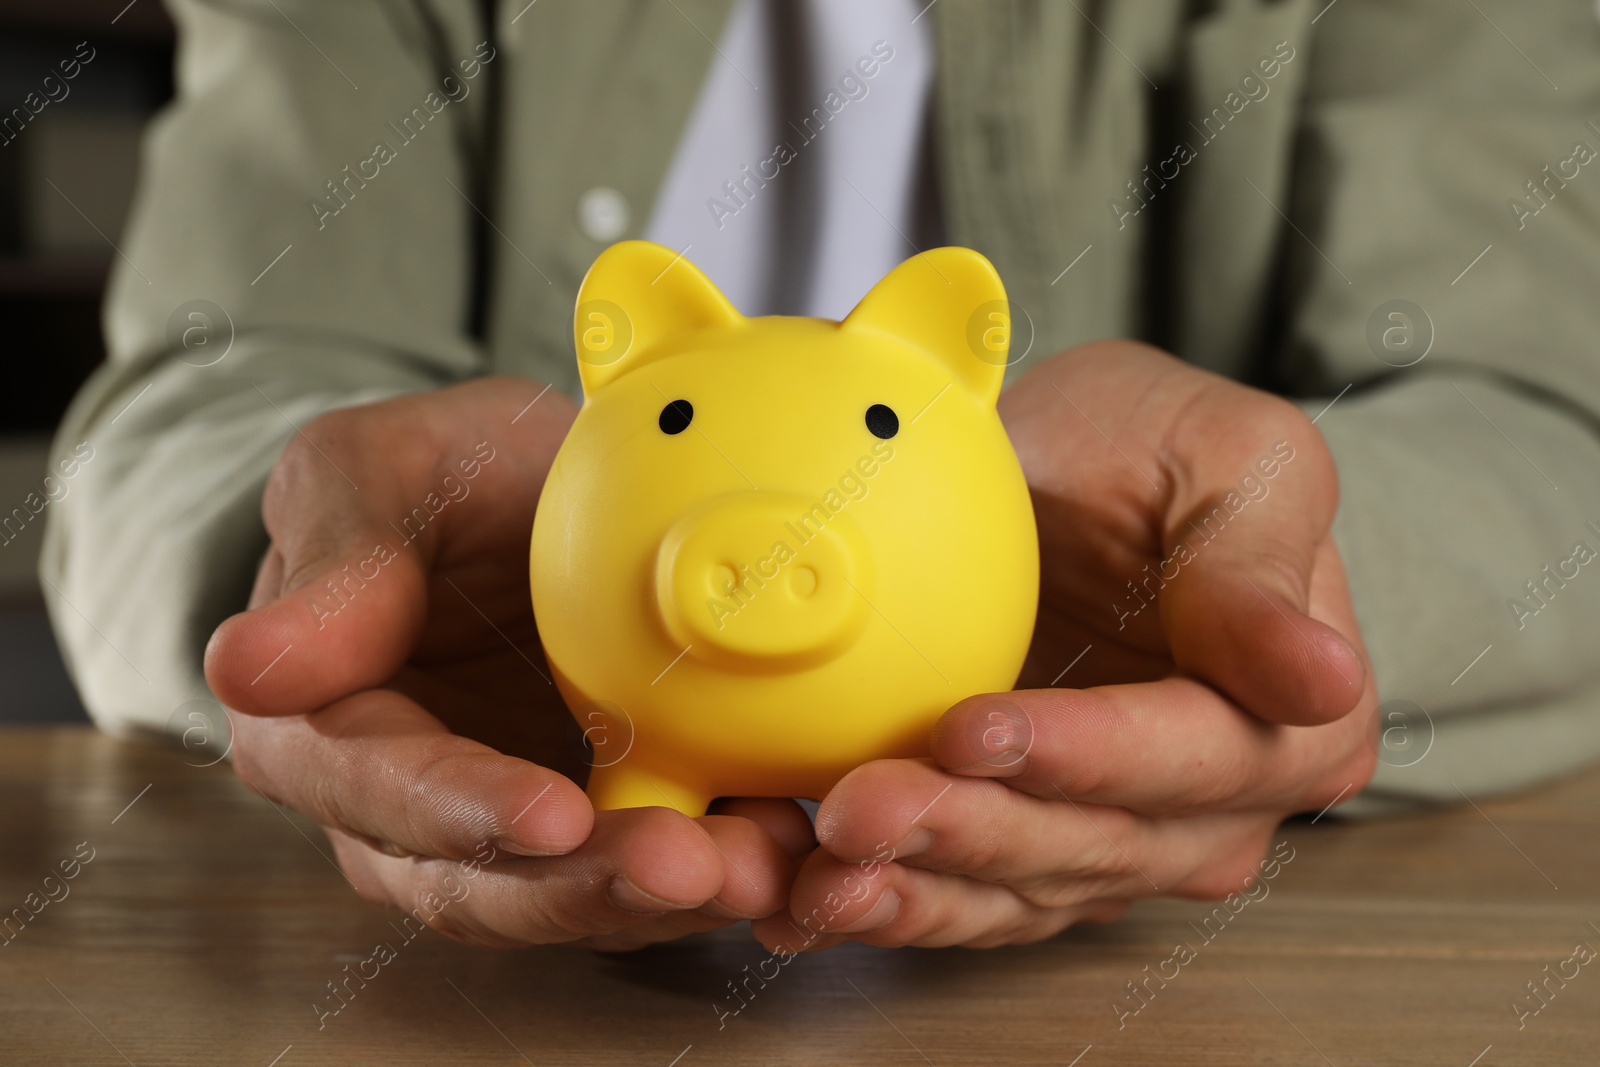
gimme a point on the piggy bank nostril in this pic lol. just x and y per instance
(882, 421)
(804, 582)
(723, 579)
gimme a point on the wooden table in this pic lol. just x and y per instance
(208, 922)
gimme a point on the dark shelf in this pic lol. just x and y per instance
(53, 276)
(143, 20)
(51, 307)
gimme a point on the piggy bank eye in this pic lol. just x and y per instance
(882, 421)
(676, 417)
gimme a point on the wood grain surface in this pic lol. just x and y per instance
(208, 923)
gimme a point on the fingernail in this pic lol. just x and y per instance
(517, 848)
(915, 843)
(718, 910)
(629, 897)
(880, 914)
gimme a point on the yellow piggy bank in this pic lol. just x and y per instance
(772, 549)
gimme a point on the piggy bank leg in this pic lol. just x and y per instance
(631, 786)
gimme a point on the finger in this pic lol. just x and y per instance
(361, 506)
(900, 906)
(645, 874)
(1173, 747)
(756, 879)
(784, 820)
(757, 868)
(1052, 852)
(378, 766)
(1254, 494)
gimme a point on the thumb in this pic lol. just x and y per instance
(1246, 525)
(362, 506)
(340, 601)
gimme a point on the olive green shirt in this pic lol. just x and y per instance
(1248, 184)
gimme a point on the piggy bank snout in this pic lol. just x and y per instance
(763, 580)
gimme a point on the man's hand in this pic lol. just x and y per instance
(388, 682)
(1193, 601)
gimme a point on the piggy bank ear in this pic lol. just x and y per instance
(948, 302)
(636, 295)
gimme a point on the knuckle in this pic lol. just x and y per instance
(1105, 869)
(1107, 864)
(303, 466)
(1098, 867)
(312, 550)
(986, 851)
(1283, 566)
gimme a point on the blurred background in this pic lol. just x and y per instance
(66, 181)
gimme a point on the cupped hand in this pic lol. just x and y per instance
(387, 681)
(1196, 675)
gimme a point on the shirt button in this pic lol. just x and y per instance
(603, 213)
